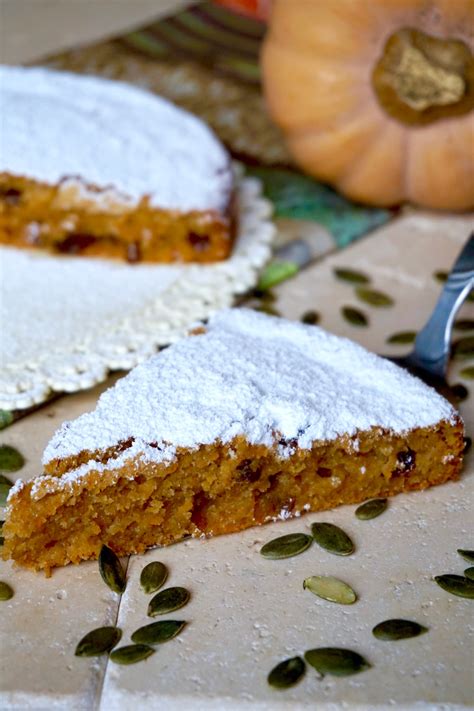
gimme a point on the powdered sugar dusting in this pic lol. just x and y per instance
(57, 125)
(256, 376)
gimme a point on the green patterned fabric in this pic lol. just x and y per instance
(299, 197)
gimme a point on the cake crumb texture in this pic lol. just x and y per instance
(254, 420)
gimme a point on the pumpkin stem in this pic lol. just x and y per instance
(420, 79)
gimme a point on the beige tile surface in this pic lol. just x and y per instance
(41, 625)
(246, 613)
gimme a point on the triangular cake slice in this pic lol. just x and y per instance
(252, 420)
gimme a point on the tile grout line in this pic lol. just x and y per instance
(100, 689)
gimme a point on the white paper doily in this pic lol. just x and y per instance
(66, 322)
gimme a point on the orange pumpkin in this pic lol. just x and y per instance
(376, 96)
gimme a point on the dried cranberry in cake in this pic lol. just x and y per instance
(10, 196)
(224, 412)
(249, 471)
(147, 180)
(75, 243)
(199, 242)
(405, 462)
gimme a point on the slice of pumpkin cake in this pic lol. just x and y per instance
(254, 419)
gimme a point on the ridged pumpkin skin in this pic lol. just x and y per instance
(319, 60)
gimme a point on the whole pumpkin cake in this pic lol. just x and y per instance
(99, 168)
(251, 420)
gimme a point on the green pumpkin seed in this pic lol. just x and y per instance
(6, 591)
(466, 554)
(441, 276)
(464, 324)
(371, 509)
(157, 632)
(392, 630)
(167, 601)
(311, 318)
(131, 653)
(459, 391)
(268, 296)
(276, 272)
(467, 373)
(267, 309)
(331, 589)
(98, 641)
(469, 573)
(373, 297)
(286, 546)
(354, 316)
(10, 459)
(6, 419)
(463, 347)
(153, 577)
(456, 585)
(287, 673)
(335, 661)
(5, 486)
(402, 337)
(351, 275)
(332, 538)
(111, 570)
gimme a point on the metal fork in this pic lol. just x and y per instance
(430, 356)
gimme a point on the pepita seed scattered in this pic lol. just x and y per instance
(331, 589)
(354, 316)
(158, 632)
(351, 275)
(456, 585)
(374, 298)
(111, 570)
(402, 337)
(464, 324)
(392, 630)
(168, 600)
(6, 592)
(466, 554)
(371, 509)
(11, 460)
(286, 546)
(463, 347)
(332, 538)
(336, 661)
(131, 653)
(98, 641)
(5, 486)
(287, 673)
(153, 577)
(311, 318)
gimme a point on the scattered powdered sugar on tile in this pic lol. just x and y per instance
(252, 375)
(62, 300)
(112, 135)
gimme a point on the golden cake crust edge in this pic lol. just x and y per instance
(228, 499)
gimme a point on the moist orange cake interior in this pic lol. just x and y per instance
(256, 419)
